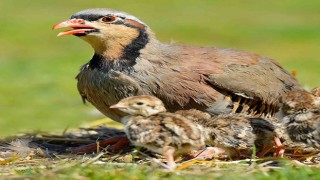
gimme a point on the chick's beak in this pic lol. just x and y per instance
(118, 106)
(78, 26)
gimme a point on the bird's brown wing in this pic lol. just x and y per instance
(263, 81)
(242, 73)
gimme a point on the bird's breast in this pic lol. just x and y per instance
(104, 89)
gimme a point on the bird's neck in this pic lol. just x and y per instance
(144, 49)
(100, 62)
(117, 55)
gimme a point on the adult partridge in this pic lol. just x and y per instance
(128, 60)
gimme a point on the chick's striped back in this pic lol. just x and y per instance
(162, 130)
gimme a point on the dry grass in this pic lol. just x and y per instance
(46, 155)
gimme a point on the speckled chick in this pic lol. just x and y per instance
(302, 122)
(236, 134)
(150, 126)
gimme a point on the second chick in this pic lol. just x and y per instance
(236, 134)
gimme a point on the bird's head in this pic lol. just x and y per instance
(113, 34)
(140, 105)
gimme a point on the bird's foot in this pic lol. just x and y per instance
(207, 153)
(169, 155)
(279, 152)
(115, 143)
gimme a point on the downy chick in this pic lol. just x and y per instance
(302, 122)
(234, 134)
(150, 126)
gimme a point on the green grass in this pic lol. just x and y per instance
(37, 85)
(37, 69)
(80, 169)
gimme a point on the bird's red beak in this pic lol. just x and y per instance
(118, 106)
(78, 27)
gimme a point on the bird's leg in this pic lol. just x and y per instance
(115, 143)
(279, 152)
(168, 154)
(264, 151)
(279, 147)
(120, 144)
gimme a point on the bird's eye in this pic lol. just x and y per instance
(139, 103)
(108, 19)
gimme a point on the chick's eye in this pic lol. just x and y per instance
(139, 103)
(108, 19)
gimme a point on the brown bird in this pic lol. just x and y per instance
(128, 60)
(302, 123)
(233, 134)
(150, 126)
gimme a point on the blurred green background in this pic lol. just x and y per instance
(37, 69)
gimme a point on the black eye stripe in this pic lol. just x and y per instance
(96, 17)
(88, 17)
(93, 17)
